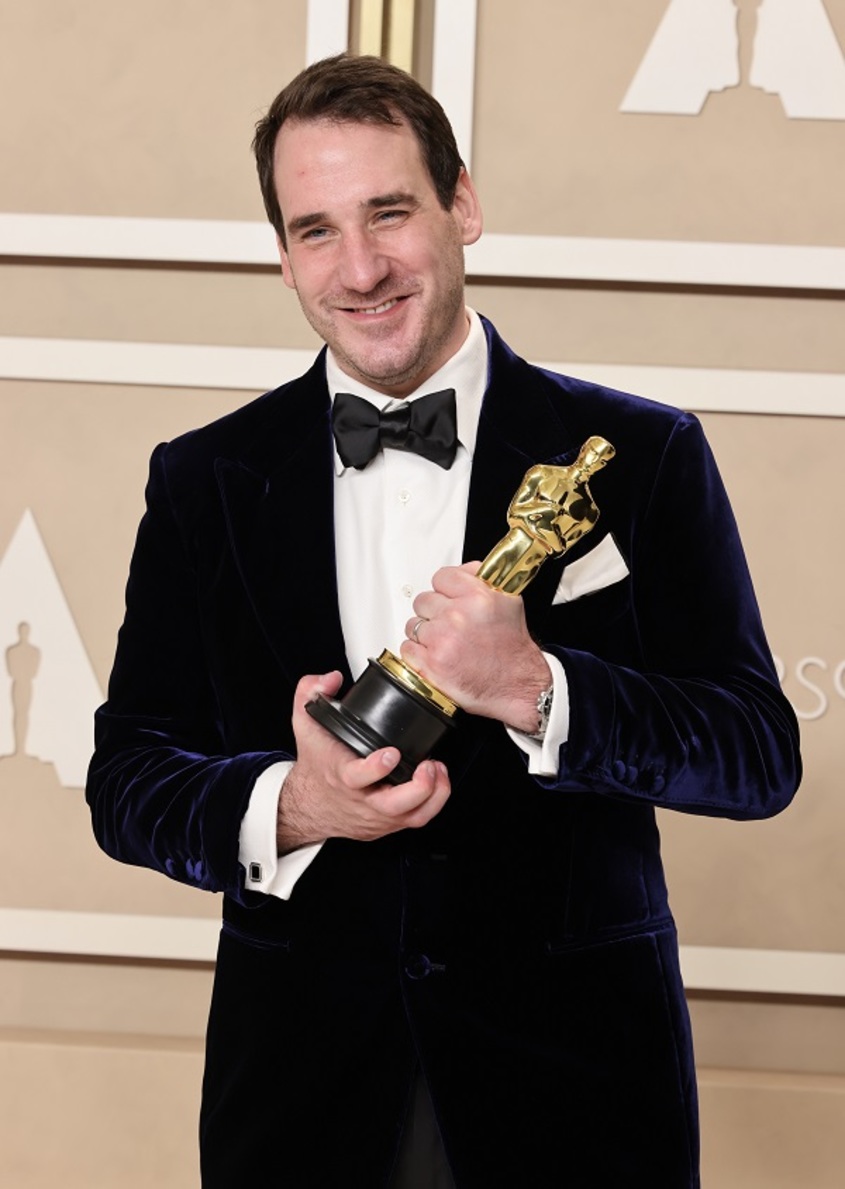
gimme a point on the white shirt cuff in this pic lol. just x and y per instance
(266, 870)
(544, 754)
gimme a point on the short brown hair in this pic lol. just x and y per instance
(359, 90)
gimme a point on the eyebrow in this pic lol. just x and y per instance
(303, 222)
(396, 198)
(377, 202)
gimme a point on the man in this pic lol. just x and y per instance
(491, 938)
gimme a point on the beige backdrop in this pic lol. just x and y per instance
(147, 111)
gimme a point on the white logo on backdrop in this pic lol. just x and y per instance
(48, 689)
(820, 684)
(784, 47)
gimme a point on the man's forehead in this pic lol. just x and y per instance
(315, 166)
(329, 129)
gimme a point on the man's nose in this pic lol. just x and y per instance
(362, 263)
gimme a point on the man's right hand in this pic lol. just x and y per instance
(332, 793)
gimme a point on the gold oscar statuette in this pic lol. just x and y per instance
(391, 705)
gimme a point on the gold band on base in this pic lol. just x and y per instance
(412, 681)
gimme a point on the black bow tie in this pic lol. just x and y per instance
(427, 426)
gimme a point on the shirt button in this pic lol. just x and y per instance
(407, 590)
(404, 496)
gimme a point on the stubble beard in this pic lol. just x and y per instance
(402, 370)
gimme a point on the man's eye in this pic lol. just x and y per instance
(390, 216)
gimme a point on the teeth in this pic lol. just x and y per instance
(385, 305)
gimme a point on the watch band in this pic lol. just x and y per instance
(544, 710)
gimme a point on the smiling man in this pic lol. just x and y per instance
(470, 978)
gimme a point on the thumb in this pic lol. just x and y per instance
(312, 684)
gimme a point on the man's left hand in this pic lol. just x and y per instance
(472, 642)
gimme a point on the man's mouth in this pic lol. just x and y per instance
(372, 310)
(385, 305)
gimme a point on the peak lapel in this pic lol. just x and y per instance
(520, 425)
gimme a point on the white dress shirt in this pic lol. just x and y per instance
(397, 521)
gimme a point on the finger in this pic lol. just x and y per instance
(440, 788)
(371, 770)
(310, 732)
(431, 805)
(422, 796)
(453, 581)
(427, 605)
(413, 654)
(310, 686)
(414, 627)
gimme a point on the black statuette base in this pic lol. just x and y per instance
(379, 711)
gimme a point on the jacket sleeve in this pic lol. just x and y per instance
(692, 718)
(162, 790)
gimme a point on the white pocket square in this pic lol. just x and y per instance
(599, 568)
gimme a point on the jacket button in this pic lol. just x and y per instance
(418, 966)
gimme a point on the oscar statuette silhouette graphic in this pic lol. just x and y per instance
(22, 661)
(391, 705)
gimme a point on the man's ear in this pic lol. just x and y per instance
(287, 271)
(467, 209)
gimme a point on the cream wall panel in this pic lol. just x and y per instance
(189, 305)
(78, 457)
(97, 1116)
(119, 999)
(768, 1131)
(763, 1032)
(779, 884)
(736, 330)
(140, 109)
(554, 156)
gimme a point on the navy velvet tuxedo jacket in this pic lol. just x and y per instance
(520, 947)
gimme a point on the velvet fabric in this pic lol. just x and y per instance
(521, 946)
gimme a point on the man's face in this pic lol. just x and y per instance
(376, 261)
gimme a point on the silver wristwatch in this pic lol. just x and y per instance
(544, 710)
